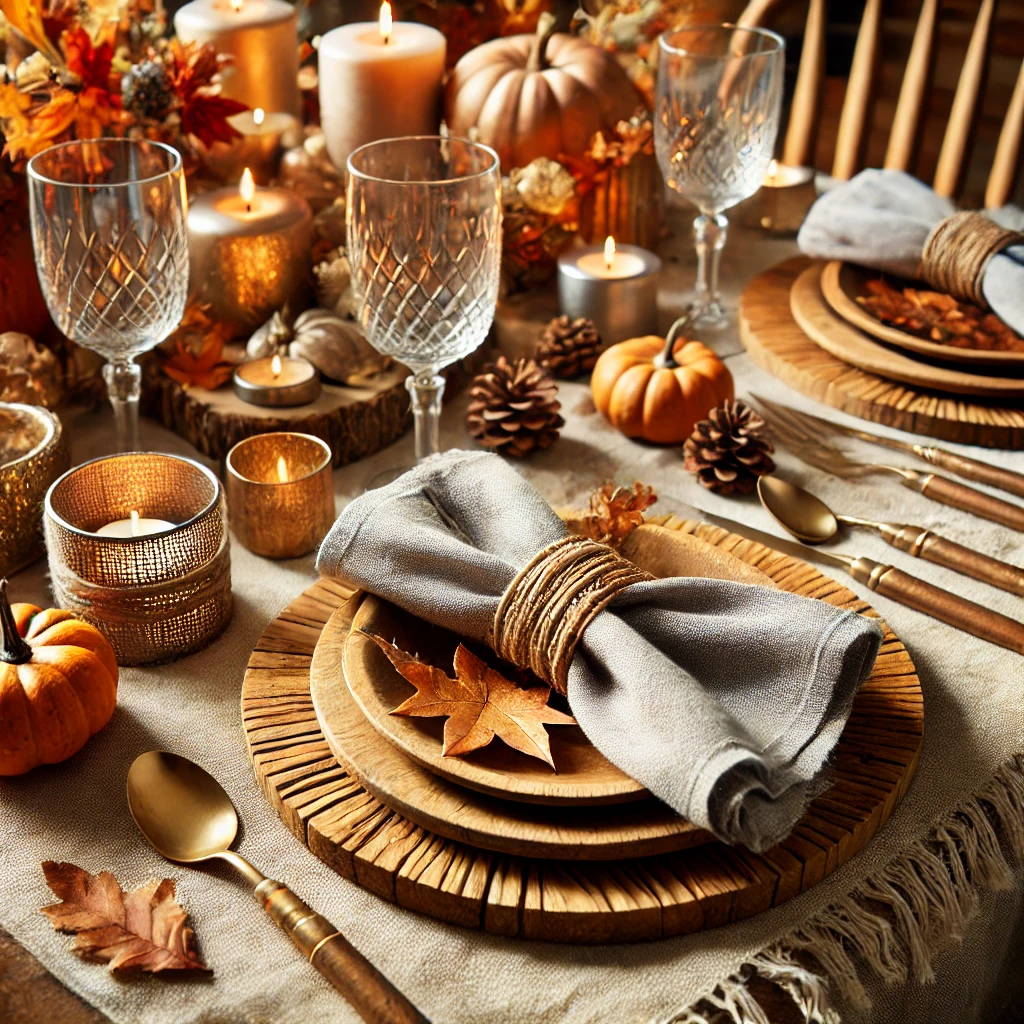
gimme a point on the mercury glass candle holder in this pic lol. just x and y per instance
(280, 493)
(155, 597)
(33, 453)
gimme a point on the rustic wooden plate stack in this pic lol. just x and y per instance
(498, 841)
(801, 320)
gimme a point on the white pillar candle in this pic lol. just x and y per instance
(134, 526)
(250, 251)
(379, 82)
(262, 37)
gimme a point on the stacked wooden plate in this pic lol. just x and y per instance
(806, 322)
(498, 840)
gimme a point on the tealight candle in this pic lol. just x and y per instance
(262, 37)
(379, 80)
(786, 195)
(250, 251)
(616, 287)
(277, 380)
(134, 526)
(263, 136)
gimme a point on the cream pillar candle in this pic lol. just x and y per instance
(379, 81)
(262, 37)
(250, 251)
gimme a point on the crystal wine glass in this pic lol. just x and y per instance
(716, 118)
(108, 228)
(424, 243)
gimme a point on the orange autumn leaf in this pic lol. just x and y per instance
(205, 370)
(26, 18)
(615, 512)
(479, 704)
(144, 931)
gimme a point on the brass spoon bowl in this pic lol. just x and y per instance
(187, 817)
(803, 514)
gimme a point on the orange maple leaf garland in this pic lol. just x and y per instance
(205, 369)
(479, 704)
(144, 931)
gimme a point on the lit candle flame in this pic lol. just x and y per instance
(247, 187)
(609, 252)
(258, 116)
(134, 516)
(236, 5)
(385, 21)
(773, 169)
(275, 366)
(282, 470)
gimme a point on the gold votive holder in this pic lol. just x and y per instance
(785, 197)
(280, 493)
(33, 453)
(156, 596)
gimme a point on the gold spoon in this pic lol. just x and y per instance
(187, 817)
(809, 519)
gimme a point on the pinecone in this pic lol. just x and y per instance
(568, 348)
(728, 451)
(513, 408)
(146, 90)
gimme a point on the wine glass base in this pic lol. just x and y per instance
(709, 316)
(385, 477)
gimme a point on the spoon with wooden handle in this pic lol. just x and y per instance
(187, 817)
(809, 519)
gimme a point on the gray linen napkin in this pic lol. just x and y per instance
(880, 219)
(723, 699)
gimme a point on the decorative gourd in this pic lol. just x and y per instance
(332, 344)
(58, 685)
(658, 388)
(533, 95)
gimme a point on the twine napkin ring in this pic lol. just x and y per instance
(957, 250)
(544, 611)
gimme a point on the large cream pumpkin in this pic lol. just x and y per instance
(58, 685)
(533, 95)
(658, 388)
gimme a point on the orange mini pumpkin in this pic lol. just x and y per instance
(58, 685)
(658, 388)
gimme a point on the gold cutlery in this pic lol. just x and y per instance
(187, 817)
(960, 465)
(892, 583)
(805, 443)
(809, 519)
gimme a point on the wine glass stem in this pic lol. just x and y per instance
(709, 232)
(124, 384)
(425, 390)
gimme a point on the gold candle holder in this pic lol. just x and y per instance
(156, 596)
(33, 453)
(280, 493)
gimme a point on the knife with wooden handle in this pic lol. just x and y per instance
(967, 499)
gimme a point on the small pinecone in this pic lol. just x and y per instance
(513, 408)
(568, 348)
(146, 90)
(728, 451)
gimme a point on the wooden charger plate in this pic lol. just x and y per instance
(826, 328)
(583, 774)
(842, 283)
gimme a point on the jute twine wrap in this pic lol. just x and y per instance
(545, 610)
(156, 597)
(956, 254)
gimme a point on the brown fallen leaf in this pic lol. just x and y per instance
(144, 931)
(615, 512)
(479, 704)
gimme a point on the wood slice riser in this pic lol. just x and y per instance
(574, 902)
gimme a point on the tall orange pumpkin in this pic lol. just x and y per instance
(58, 685)
(658, 388)
(542, 94)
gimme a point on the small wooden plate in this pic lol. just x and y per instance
(827, 329)
(841, 283)
(584, 774)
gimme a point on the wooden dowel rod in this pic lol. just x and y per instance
(1006, 165)
(856, 115)
(805, 110)
(908, 121)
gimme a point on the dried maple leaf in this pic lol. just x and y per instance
(615, 512)
(144, 931)
(204, 369)
(479, 704)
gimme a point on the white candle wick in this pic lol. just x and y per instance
(609, 252)
(247, 187)
(135, 523)
(386, 23)
(258, 116)
(282, 469)
(275, 366)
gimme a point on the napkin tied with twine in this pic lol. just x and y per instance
(723, 699)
